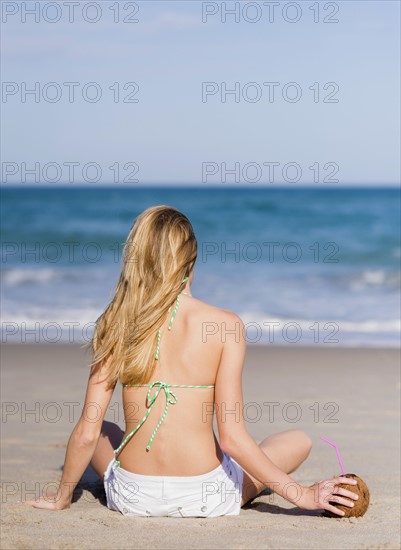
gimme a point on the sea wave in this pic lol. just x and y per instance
(42, 276)
(23, 276)
(375, 278)
(372, 325)
(356, 287)
(35, 324)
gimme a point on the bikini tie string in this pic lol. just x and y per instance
(171, 399)
(161, 385)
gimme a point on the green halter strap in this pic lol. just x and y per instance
(177, 303)
(159, 334)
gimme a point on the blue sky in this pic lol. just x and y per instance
(170, 135)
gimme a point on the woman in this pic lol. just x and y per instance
(177, 358)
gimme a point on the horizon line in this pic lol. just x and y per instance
(194, 185)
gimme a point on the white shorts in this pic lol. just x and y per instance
(216, 493)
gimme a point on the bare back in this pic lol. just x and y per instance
(190, 353)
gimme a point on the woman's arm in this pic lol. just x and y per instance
(83, 440)
(238, 443)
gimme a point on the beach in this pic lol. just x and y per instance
(347, 395)
(269, 132)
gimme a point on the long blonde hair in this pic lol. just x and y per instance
(160, 251)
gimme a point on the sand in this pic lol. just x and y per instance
(362, 386)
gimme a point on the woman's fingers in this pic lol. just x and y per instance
(331, 494)
(43, 502)
(341, 500)
(346, 493)
(328, 493)
(345, 480)
(334, 510)
(39, 503)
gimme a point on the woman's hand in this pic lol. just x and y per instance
(51, 501)
(321, 494)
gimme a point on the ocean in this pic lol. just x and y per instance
(300, 266)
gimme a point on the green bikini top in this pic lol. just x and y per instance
(171, 398)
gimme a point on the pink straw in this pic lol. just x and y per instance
(337, 452)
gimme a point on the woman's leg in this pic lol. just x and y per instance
(287, 450)
(110, 438)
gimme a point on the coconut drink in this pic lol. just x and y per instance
(361, 489)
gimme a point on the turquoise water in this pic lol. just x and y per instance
(324, 265)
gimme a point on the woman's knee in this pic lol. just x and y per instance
(303, 441)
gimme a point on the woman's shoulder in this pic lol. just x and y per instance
(217, 313)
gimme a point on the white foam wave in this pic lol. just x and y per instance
(78, 325)
(375, 278)
(371, 325)
(14, 277)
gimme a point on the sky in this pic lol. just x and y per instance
(186, 92)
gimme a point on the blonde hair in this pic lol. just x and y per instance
(160, 251)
